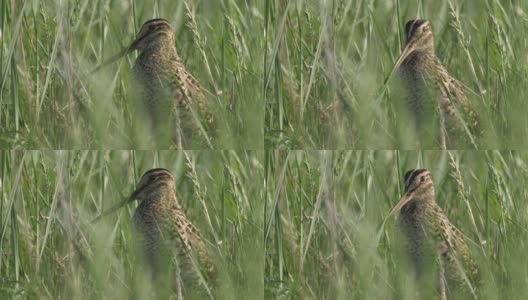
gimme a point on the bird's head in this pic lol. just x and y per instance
(418, 187)
(151, 182)
(418, 37)
(154, 34)
(151, 33)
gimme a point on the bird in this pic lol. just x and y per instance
(430, 236)
(431, 93)
(164, 234)
(171, 97)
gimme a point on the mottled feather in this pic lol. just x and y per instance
(431, 92)
(164, 233)
(430, 235)
(170, 93)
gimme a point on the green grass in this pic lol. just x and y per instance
(50, 250)
(278, 75)
(324, 209)
(327, 62)
(49, 99)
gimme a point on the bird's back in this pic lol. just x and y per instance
(459, 267)
(430, 233)
(189, 101)
(170, 95)
(433, 94)
(455, 105)
(169, 240)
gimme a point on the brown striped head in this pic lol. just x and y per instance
(418, 186)
(419, 34)
(151, 33)
(151, 182)
(418, 37)
(154, 33)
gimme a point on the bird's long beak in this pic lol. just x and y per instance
(110, 60)
(115, 207)
(403, 200)
(405, 52)
(132, 47)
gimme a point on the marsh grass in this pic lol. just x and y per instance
(50, 248)
(325, 208)
(328, 67)
(278, 75)
(49, 99)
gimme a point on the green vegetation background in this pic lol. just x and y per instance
(277, 74)
(50, 100)
(327, 63)
(280, 75)
(324, 210)
(50, 250)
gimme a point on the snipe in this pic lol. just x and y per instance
(430, 237)
(431, 93)
(168, 239)
(173, 99)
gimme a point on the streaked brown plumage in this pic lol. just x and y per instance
(165, 234)
(431, 92)
(428, 233)
(172, 98)
(163, 78)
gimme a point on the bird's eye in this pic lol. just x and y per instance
(422, 179)
(424, 29)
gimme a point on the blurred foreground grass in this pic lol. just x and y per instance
(50, 250)
(49, 100)
(323, 209)
(327, 62)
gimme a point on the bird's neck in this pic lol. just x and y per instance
(163, 193)
(162, 45)
(423, 54)
(420, 204)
